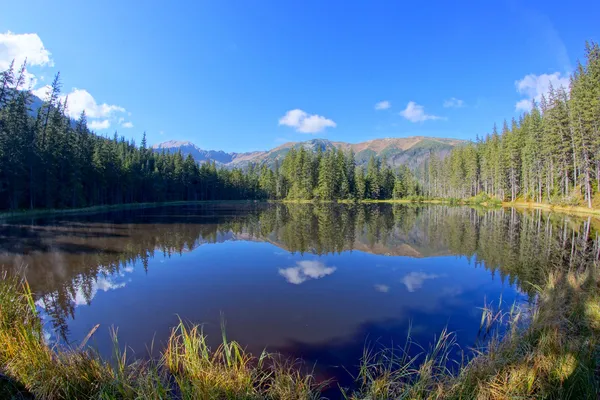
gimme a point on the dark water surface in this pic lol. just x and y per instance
(310, 281)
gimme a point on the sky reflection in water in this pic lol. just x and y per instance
(308, 281)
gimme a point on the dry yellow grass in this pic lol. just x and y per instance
(550, 351)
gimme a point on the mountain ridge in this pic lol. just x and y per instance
(411, 151)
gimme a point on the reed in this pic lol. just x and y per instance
(187, 369)
(549, 350)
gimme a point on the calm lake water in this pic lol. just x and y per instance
(310, 281)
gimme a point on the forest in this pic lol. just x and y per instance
(550, 154)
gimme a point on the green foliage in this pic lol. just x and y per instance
(49, 161)
(187, 369)
(549, 349)
(332, 175)
(551, 152)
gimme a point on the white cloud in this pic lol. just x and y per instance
(19, 47)
(42, 92)
(305, 123)
(81, 99)
(306, 270)
(383, 105)
(97, 125)
(453, 102)
(414, 280)
(523, 105)
(382, 288)
(99, 115)
(534, 86)
(416, 113)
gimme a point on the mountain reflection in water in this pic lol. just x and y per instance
(314, 281)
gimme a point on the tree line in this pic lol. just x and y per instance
(334, 175)
(550, 154)
(47, 160)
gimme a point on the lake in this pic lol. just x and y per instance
(312, 281)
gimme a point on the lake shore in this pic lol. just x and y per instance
(106, 208)
(574, 210)
(577, 210)
(545, 348)
(547, 352)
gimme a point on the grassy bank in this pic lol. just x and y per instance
(187, 369)
(551, 351)
(575, 210)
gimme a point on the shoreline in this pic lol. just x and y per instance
(574, 210)
(4, 216)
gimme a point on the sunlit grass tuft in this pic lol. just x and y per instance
(188, 368)
(226, 372)
(549, 350)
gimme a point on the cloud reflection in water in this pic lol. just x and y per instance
(305, 270)
(382, 288)
(414, 280)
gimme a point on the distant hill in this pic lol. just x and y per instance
(410, 151)
(173, 146)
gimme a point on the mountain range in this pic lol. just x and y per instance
(411, 151)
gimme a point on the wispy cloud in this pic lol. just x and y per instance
(305, 270)
(545, 36)
(383, 105)
(453, 102)
(416, 113)
(306, 123)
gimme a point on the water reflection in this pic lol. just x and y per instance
(382, 288)
(305, 270)
(308, 280)
(414, 280)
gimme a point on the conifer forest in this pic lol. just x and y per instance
(550, 154)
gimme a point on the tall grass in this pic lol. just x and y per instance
(552, 355)
(549, 352)
(187, 369)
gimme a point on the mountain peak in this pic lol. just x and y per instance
(411, 151)
(169, 144)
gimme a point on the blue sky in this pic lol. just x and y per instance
(250, 75)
